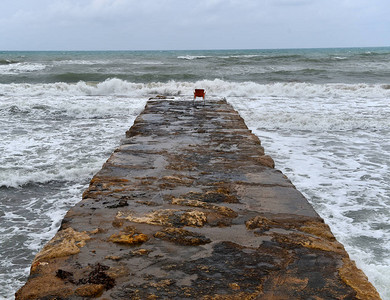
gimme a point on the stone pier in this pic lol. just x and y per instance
(190, 207)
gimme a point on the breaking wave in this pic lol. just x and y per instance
(217, 87)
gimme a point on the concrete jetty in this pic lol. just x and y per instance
(190, 207)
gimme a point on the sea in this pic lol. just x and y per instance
(322, 114)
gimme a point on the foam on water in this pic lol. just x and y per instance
(52, 137)
(322, 114)
(335, 151)
(192, 57)
(19, 68)
(51, 146)
(329, 139)
(32, 217)
(115, 87)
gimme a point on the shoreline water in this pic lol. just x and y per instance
(188, 188)
(328, 138)
(333, 65)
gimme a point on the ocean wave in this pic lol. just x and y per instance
(40, 156)
(330, 122)
(48, 139)
(244, 56)
(313, 115)
(151, 63)
(192, 57)
(217, 87)
(20, 67)
(81, 62)
(71, 77)
(108, 62)
(291, 57)
(7, 62)
(17, 180)
(339, 57)
(374, 53)
(233, 56)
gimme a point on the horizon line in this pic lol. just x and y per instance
(215, 49)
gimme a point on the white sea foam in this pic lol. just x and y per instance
(51, 146)
(32, 223)
(48, 139)
(328, 139)
(80, 62)
(151, 63)
(192, 57)
(333, 149)
(244, 56)
(18, 68)
(218, 87)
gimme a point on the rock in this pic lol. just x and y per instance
(260, 222)
(64, 275)
(50, 286)
(164, 217)
(182, 237)
(189, 206)
(141, 252)
(121, 203)
(113, 257)
(67, 242)
(98, 276)
(129, 239)
(267, 160)
(90, 290)
(355, 278)
(223, 210)
(167, 217)
(194, 218)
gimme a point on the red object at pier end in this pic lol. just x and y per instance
(199, 93)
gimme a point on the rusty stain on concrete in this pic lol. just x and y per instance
(190, 207)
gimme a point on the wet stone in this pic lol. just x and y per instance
(182, 237)
(121, 203)
(90, 290)
(128, 239)
(98, 276)
(189, 206)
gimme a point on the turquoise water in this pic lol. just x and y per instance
(339, 65)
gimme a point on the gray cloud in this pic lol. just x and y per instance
(205, 24)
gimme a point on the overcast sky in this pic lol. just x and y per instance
(192, 24)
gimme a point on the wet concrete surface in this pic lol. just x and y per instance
(190, 207)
